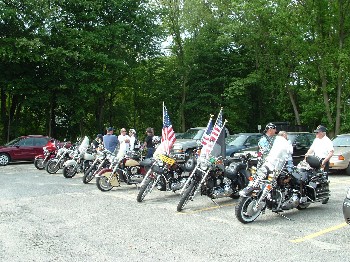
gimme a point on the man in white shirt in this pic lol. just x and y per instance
(124, 143)
(274, 161)
(322, 147)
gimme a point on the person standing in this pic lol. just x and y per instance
(124, 142)
(149, 142)
(97, 143)
(110, 141)
(133, 139)
(265, 143)
(322, 147)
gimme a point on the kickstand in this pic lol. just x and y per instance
(215, 202)
(278, 213)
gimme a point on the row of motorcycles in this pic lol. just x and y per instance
(211, 176)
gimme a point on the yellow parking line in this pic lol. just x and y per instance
(206, 209)
(322, 232)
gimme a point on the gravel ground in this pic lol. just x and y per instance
(46, 217)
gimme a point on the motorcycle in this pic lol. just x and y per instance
(102, 160)
(285, 190)
(81, 159)
(216, 178)
(164, 174)
(50, 150)
(56, 163)
(130, 169)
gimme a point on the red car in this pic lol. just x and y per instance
(22, 148)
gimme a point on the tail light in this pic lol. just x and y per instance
(341, 157)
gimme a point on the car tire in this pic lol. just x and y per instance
(4, 159)
(347, 170)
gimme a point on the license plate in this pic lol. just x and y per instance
(166, 159)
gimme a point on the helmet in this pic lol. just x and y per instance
(270, 126)
(156, 140)
(132, 131)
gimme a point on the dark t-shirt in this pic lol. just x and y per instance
(149, 142)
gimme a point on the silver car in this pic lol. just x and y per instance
(341, 157)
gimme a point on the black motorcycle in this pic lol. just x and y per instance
(285, 190)
(103, 160)
(165, 174)
(216, 178)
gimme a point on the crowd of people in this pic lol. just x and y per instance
(125, 141)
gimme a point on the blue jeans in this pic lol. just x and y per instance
(150, 151)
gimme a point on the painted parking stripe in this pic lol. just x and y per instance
(319, 233)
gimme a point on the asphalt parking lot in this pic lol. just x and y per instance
(46, 217)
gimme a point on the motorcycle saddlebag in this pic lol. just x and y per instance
(313, 161)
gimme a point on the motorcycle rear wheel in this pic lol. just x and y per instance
(39, 163)
(189, 192)
(69, 171)
(89, 174)
(52, 166)
(145, 189)
(244, 210)
(103, 184)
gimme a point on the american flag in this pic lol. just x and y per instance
(207, 132)
(214, 135)
(217, 128)
(168, 134)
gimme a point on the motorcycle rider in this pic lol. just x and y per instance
(279, 154)
(265, 143)
(322, 147)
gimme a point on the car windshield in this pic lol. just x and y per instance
(230, 138)
(13, 142)
(341, 141)
(291, 137)
(193, 134)
(239, 141)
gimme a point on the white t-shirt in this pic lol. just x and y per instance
(132, 143)
(124, 143)
(279, 153)
(322, 146)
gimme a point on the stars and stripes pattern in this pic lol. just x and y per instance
(168, 134)
(214, 135)
(207, 132)
(217, 128)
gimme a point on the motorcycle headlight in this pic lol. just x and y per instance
(177, 149)
(203, 164)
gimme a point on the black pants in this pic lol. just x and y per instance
(326, 167)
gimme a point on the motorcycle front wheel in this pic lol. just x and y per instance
(69, 171)
(89, 174)
(52, 166)
(187, 195)
(246, 211)
(39, 163)
(145, 189)
(103, 183)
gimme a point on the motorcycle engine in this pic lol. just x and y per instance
(134, 170)
(222, 189)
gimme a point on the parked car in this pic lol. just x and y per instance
(22, 148)
(346, 207)
(183, 147)
(238, 142)
(301, 142)
(341, 157)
